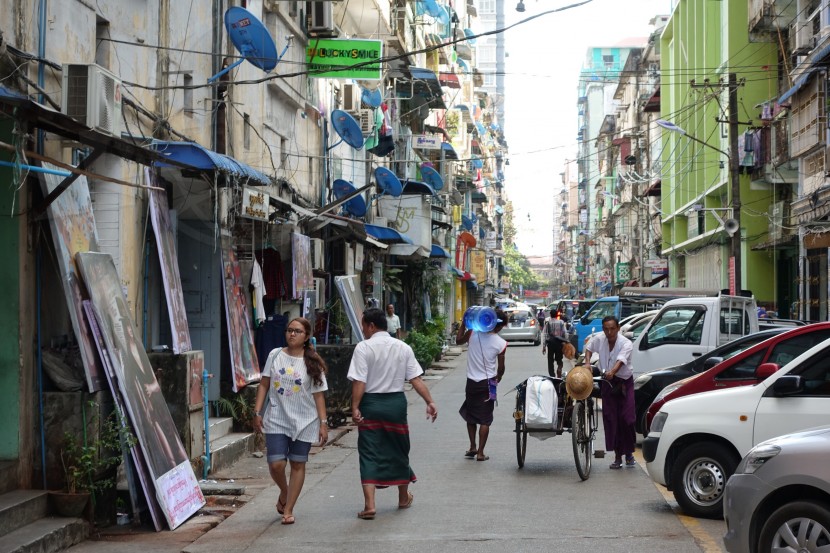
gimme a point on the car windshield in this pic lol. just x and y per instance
(518, 316)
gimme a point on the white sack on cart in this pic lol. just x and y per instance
(541, 402)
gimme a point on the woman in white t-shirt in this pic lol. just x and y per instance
(293, 383)
(485, 360)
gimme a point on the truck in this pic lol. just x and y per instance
(630, 301)
(686, 328)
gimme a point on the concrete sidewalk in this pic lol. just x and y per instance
(242, 497)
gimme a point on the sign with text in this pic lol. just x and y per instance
(478, 264)
(344, 58)
(254, 204)
(427, 141)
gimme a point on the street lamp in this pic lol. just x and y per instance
(733, 226)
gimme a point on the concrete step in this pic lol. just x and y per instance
(220, 427)
(228, 449)
(46, 535)
(21, 507)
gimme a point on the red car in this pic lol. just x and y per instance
(740, 370)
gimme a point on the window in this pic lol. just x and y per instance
(681, 325)
(486, 53)
(608, 61)
(743, 370)
(787, 350)
(188, 95)
(486, 6)
(815, 375)
(734, 320)
(489, 79)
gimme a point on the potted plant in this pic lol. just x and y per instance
(88, 465)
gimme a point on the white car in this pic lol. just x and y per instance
(695, 442)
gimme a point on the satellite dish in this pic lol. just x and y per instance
(356, 206)
(251, 39)
(437, 12)
(388, 182)
(432, 177)
(347, 128)
(373, 98)
(466, 222)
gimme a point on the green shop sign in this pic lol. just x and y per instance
(344, 58)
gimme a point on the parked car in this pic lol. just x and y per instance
(648, 386)
(740, 369)
(521, 326)
(779, 497)
(696, 442)
(633, 325)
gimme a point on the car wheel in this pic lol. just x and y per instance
(537, 341)
(797, 526)
(699, 477)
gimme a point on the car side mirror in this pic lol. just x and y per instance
(766, 370)
(711, 362)
(787, 385)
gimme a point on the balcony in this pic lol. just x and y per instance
(768, 17)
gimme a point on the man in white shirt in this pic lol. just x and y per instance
(380, 366)
(485, 367)
(618, 407)
(393, 323)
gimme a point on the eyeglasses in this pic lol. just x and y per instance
(295, 331)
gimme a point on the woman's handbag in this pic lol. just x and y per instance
(492, 385)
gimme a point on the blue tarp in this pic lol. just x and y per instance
(386, 234)
(199, 157)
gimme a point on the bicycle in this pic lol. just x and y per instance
(578, 417)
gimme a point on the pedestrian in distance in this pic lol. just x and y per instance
(291, 411)
(393, 322)
(554, 337)
(380, 366)
(485, 369)
(618, 408)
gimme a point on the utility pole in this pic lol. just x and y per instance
(734, 180)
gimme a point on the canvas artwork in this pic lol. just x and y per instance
(244, 363)
(166, 245)
(301, 255)
(73, 230)
(352, 296)
(135, 451)
(177, 489)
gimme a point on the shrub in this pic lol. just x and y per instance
(425, 346)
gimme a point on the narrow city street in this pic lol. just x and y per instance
(462, 505)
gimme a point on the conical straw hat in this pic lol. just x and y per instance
(579, 382)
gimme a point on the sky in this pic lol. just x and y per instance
(544, 58)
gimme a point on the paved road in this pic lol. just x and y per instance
(466, 506)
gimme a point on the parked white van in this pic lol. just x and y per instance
(695, 442)
(686, 328)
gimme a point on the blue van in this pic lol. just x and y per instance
(630, 301)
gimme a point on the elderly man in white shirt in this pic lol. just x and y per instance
(393, 322)
(380, 366)
(618, 409)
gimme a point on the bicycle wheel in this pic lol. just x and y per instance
(581, 437)
(521, 443)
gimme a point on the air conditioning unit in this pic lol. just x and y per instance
(350, 98)
(320, 22)
(320, 292)
(92, 96)
(317, 254)
(801, 37)
(366, 118)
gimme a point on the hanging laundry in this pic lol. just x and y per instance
(258, 293)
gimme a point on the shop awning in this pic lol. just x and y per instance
(449, 151)
(438, 251)
(449, 80)
(801, 81)
(199, 157)
(426, 84)
(461, 275)
(411, 186)
(388, 235)
(467, 239)
(466, 117)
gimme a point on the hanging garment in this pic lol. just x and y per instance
(272, 273)
(258, 293)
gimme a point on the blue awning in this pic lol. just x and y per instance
(801, 81)
(411, 187)
(456, 271)
(438, 251)
(476, 162)
(449, 151)
(470, 35)
(463, 65)
(427, 85)
(199, 157)
(387, 235)
(480, 128)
